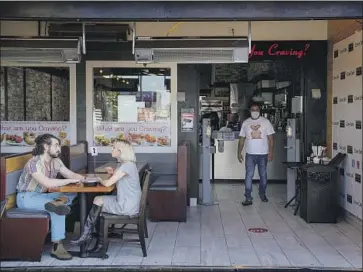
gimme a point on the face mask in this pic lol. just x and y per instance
(255, 114)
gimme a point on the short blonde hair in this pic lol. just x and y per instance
(127, 153)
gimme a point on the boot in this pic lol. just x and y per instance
(86, 235)
(58, 206)
(99, 250)
(59, 252)
(95, 234)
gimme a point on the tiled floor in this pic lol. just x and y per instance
(218, 236)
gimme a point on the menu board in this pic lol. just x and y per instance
(23, 133)
(139, 134)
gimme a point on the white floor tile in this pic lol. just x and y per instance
(243, 256)
(238, 241)
(158, 256)
(217, 236)
(46, 261)
(272, 257)
(215, 257)
(128, 255)
(12, 263)
(301, 258)
(289, 241)
(333, 260)
(187, 255)
(352, 254)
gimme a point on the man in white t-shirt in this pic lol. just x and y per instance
(257, 136)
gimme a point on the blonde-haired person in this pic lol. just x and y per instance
(127, 200)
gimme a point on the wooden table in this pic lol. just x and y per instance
(83, 190)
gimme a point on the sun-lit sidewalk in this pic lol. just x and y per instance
(218, 236)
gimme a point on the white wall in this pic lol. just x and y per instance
(21, 28)
(284, 30)
(261, 31)
(346, 112)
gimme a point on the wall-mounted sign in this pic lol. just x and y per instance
(274, 50)
(347, 115)
(139, 134)
(24, 133)
(187, 119)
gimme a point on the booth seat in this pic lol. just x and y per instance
(22, 231)
(18, 243)
(168, 193)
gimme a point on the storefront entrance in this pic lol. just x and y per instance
(161, 107)
(280, 77)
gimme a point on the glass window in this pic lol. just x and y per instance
(132, 104)
(34, 101)
(34, 94)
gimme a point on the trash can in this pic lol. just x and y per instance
(319, 194)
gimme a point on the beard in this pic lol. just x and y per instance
(53, 155)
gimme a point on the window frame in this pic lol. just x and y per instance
(90, 65)
(72, 100)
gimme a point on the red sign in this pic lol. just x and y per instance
(279, 50)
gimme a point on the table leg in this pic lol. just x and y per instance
(82, 219)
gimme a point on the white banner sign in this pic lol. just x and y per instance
(23, 133)
(139, 134)
(347, 119)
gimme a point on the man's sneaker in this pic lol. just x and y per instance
(60, 253)
(247, 202)
(264, 198)
(58, 206)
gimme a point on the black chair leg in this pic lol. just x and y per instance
(141, 230)
(146, 231)
(291, 200)
(297, 208)
(104, 225)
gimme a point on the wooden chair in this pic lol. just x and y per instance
(142, 173)
(140, 221)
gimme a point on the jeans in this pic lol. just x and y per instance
(36, 201)
(251, 161)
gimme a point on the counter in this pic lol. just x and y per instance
(226, 165)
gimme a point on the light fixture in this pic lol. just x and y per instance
(191, 50)
(41, 49)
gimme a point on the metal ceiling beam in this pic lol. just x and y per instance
(178, 11)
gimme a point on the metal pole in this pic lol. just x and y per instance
(133, 37)
(207, 198)
(249, 37)
(84, 38)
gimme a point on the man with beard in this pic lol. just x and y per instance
(39, 174)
